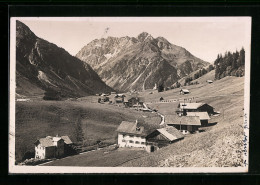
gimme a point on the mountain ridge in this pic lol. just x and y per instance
(138, 63)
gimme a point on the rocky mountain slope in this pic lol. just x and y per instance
(129, 63)
(41, 66)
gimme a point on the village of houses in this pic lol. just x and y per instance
(188, 118)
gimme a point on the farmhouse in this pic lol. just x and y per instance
(204, 117)
(119, 98)
(163, 136)
(186, 124)
(130, 134)
(136, 102)
(51, 147)
(195, 107)
(184, 91)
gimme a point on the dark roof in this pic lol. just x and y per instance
(171, 133)
(130, 128)
(66, 140)
(184, 120)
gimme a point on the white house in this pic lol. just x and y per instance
(51, 147)
(131, 135)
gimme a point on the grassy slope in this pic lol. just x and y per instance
(101, 158)
(38, 119)
(221, 144)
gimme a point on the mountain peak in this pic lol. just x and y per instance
(143, 36)
(22, 30)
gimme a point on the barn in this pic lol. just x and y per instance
(130, 101)
(184, 91)
(163, 136)
(204, 117)
(186, 124)
(119, 98)
(196, 107)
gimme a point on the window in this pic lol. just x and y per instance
(137, 142)
(123, 140)
(131, 141)
(143, 143)
(131, 136)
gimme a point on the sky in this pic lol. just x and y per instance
(204, 37)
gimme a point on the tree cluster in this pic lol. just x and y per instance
(231, 64)
(200, 73)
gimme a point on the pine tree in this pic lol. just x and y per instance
(78, 130)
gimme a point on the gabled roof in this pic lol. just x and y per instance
(185, 90)
(171, 133)
(46, 142)
(190, 105)
(202, 115)
(130, 128)
(183, 120)
(49, 140)
(66, 140)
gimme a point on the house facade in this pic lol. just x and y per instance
(131, 135)
(50, 147)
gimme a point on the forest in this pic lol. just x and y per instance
(231, 64)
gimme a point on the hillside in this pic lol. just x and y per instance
(41, 66)
(138, 63)
(220, 145)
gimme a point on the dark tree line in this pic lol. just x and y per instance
(231, 64)
(200, 73)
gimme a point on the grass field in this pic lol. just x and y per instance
(36, 119)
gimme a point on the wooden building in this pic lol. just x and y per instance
(195, 107)
(163, 136)
(186, 124)
(184, 91)
(119, 98)
(204, 117)
(130, 101)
